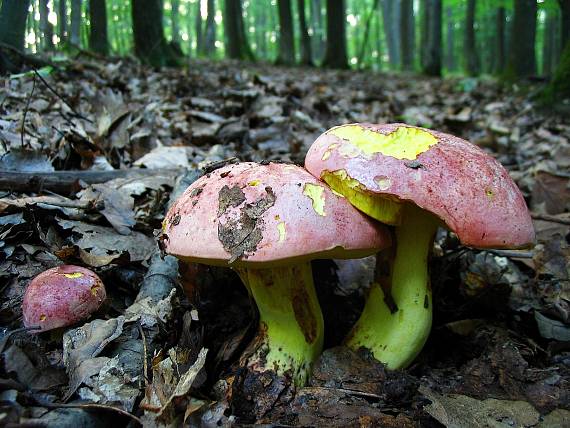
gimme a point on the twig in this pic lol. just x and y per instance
(78, 115)
(551, 218)
(56, 201)
(88, 406)
(145, 355)
(346, 391)
(218, 164)
(23, 131)
(517, 254)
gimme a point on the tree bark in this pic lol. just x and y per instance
(306, 51)
(391, 36)
(565, 11)
(432, 65)
(449, 48)
(98, 41)
(13, 15)
(75, 36)
(237, 46)
(424, 29)
(286, 55)
(471, 59)
(362, 50)
(210, 34)
(522, 61)
(45, 26)
(148, 34)
(335, 55)
(62, 20)
(406, 34)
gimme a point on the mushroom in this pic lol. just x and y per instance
(62, 296)
(416, 180)
(267, 221)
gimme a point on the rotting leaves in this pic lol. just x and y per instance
(243, 234)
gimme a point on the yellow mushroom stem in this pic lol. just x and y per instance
(290, 336)
(397, 316)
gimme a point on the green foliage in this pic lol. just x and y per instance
(559, 89)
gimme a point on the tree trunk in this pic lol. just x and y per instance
(98, 28)
(75, 36)
(559, 89)
(548, 54)
(198, 30)
(522, 61)
(62, 20)
(406, 34)
(500, 44)
(335, 54)
(175, 21)
(432, 65)
(286, 53)
(450, 54)
(210, 34)
(362, 50)
(392, 37)
(148, 34)
(471, 59)
(13, 15)
(318, 38)
(378, 43)
(306, 52)
(424, 29)
(237, 46)
(565, 11)
(45, 26)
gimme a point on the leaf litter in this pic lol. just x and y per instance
(498, 354)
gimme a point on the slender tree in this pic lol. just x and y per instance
(391, 31)
(237, 46)
(471, 58)
(565, 12)
(62, 20)
(362, 50)
(198, 29)
(318, 38)
(450, 41)
(98, 41)
(335, 54)
(559, 88)
(548, 48)
(286, 53)
(500, 45)
(148, 34)
(406, 34)
(306, 51)
(432, 65)
(45, 26)
(75, 36)
(175, 21)
(13, 16)
(521, 61)
(210, 33)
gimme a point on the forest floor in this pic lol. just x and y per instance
(498, 354)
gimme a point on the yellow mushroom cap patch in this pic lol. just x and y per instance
(316, 193)
(403, 143)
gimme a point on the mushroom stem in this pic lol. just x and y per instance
(396, 319)
(290, 334)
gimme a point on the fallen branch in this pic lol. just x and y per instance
(551, 218)
(66, 182)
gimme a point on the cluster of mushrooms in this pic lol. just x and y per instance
(365, 189)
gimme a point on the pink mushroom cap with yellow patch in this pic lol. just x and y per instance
(62, 296)
(265, 215)
(470, 191)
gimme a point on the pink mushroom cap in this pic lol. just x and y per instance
(266, 215)
(455, 180)
(62, 296)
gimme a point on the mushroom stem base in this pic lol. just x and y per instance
(290, 336)
(396, 319)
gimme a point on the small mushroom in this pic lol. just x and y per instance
(416, 180)
(62, 296)
(267, 222)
